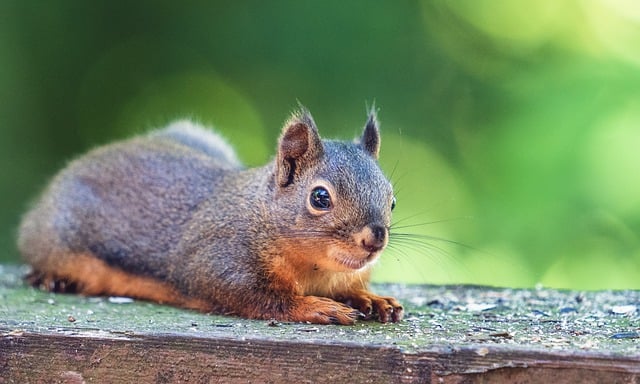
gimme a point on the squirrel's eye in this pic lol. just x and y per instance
(393, 203)
(320, 199)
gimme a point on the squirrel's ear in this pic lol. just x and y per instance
(370, 139)
(299, 146)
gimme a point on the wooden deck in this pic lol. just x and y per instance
(451, 334)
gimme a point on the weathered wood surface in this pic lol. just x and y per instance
(450, 335)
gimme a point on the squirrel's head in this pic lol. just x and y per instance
(337, 201)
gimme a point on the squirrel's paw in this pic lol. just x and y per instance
(322, 310)
(385, 308)
(51, 283)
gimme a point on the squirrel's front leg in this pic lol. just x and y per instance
(371, 305)
(293, 306)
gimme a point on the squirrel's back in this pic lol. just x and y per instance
(151, 183)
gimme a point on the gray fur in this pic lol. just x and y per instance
(177, 205)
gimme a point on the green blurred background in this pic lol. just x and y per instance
(510, 128)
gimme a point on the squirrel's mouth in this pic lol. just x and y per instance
(354, 262)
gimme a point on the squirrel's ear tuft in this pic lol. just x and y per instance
(370, 139)
(299, 146)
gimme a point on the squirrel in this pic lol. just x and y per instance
(173, 217)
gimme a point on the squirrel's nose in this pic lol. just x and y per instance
(373, 237)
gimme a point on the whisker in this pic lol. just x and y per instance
(410, 245)
(407, 218)
(395, 226)
(426, 248)
(309, 234)
(393, 171)
(431, 237)
(397, 180)
(413, 252)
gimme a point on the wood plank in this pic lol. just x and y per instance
(451, 335)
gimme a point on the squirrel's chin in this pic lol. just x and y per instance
(354, 261)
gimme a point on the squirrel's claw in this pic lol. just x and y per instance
(388, 309)
(385, 308)
(50, 282)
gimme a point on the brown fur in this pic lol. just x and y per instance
(88, 275)
(172, 217)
